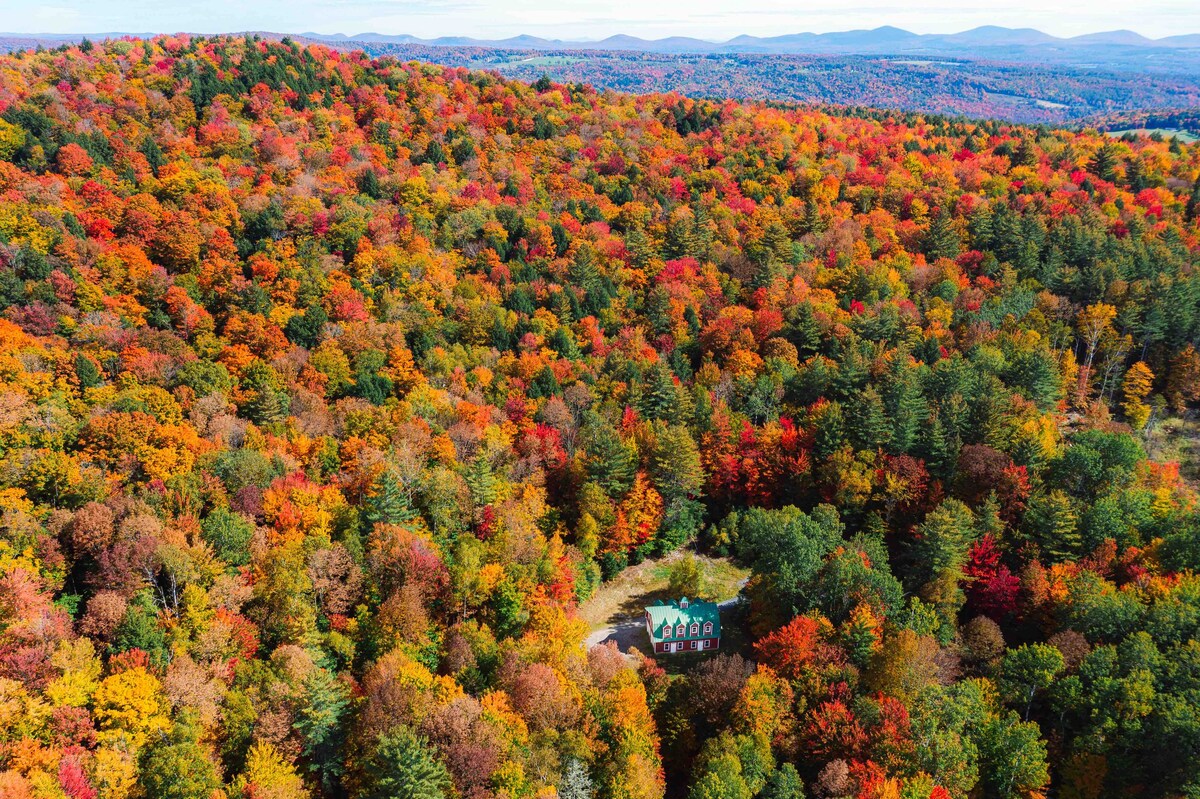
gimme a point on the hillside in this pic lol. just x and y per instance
(1032, 94)
(331, 387)
(1056, 83)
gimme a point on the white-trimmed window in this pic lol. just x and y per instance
(695, 629)
(708, 628)
(666, 631)
(680, 631)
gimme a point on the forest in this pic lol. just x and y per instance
(331, 386)
(1038, 93)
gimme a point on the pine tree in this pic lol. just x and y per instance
(267, 405)
(830, 432)
(803, 330)
(402, 765)
(944, 538)
(942, 239)
(940, 447)
(869, 423)
(1053, 524)
(609, 462)
(677, 471)
(1135, 177)
(660, 399)
(1104, 164)
(368, 184)
(86, 371)
(639, 246)
(576, 783)
(1193, 204)
(681, 240)
(904, 404)
(701, 230)
(784, 783)
(812, 221)
(388, 502)
(1025, 154)
(481, 480)
(321, 723)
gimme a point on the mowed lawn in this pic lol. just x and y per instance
(624, 597)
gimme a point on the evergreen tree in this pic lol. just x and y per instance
(905, 405)
(388, 502)
(1135, 177)
(830, 431)
(86, 371)
(639, 246)
(942, 239)
(1193, 204)
(661, 399)
(576, 783)
(1053, 524)
(943, 539)
(305, 329)
(321, 723)
(609, 462)
(1025, 154)
(481, 480)
(402, 765)
(784, 783)
(869, 425)
(940, 447)
(268, 405)
(677, 471)
(1104, 164)
(368, 382)
(229, 535)
(803, 330)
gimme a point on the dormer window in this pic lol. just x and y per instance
(679, 630)
(695, 629)
(683, 603)
(708, 628)
(667, 631)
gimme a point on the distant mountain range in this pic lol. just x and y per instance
(877, 41)
(885, 40)
(1116, 51)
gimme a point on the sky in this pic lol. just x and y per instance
(593, 19)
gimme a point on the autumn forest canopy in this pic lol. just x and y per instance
(331, 387)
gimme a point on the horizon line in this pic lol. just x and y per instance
(731, 39)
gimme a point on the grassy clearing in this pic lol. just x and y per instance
(1177, 440)
(549, 61)
(1184, 136)
(623, 598)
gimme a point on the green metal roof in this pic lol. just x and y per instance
(683, 611)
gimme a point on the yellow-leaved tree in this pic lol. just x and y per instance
(1137, 384)
(131, 705)
(268, 775)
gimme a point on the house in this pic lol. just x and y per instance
(684, 625)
